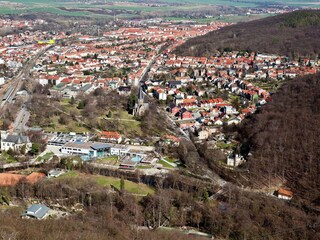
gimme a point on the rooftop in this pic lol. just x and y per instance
(37, 211)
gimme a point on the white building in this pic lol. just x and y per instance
(94, 149)
(284, 194)
(235, 120)
(203, 135)
(90, 149)
(119, 150)
(234, 160)
(15, 142)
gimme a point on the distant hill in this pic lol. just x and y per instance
(293, 34)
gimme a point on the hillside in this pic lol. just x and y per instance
(293, 34)
(283, 138)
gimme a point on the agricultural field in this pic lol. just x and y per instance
(130, 9)
(226, 18)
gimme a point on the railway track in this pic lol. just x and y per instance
(17, 81)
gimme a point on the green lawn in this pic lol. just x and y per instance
(170, 159)
(70, 174)
(126, 124)
(103, 181)
(165, 164)
(67, 106)
(82, 10)
(223, 145)
(45, 157)
(55, 126)
(131, 187)
(7, 158)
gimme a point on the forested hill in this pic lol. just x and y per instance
(284, 138)
(293, 34)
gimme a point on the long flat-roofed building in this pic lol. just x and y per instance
(90, 149)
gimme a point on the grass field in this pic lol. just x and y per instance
(45, 157)
(169, 159)
(55, 126)
(103, 181)
(7, 158)
(165, 164)
(228, 19)
(136, 188)
(126, 123)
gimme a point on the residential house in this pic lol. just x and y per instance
(235, 120)
(234, 160)
(37, 211)
(160, 94)
(175, 110)
(170, 140)
(284, 194)
(175, 84)
(14, 141)
(186, 115)
(178, 99)
(113, 137)
(218, 122)
(203, 135)
(124, 90)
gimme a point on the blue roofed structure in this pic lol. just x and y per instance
(100, 146)
(37, 211)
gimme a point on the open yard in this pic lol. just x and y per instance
(45, 157)
(55, 126)
(124, 123)
(110, 160)
(7, 158)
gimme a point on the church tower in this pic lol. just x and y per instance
(140, 106)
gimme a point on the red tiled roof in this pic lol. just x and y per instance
(115, 135)
(172, 138)
(285, 192)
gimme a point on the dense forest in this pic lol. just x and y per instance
(283, 138)
(178, 201)
(293, 34)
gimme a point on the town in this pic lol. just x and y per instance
(198, 94)
(122, 101)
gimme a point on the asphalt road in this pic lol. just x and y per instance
(21, 120)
